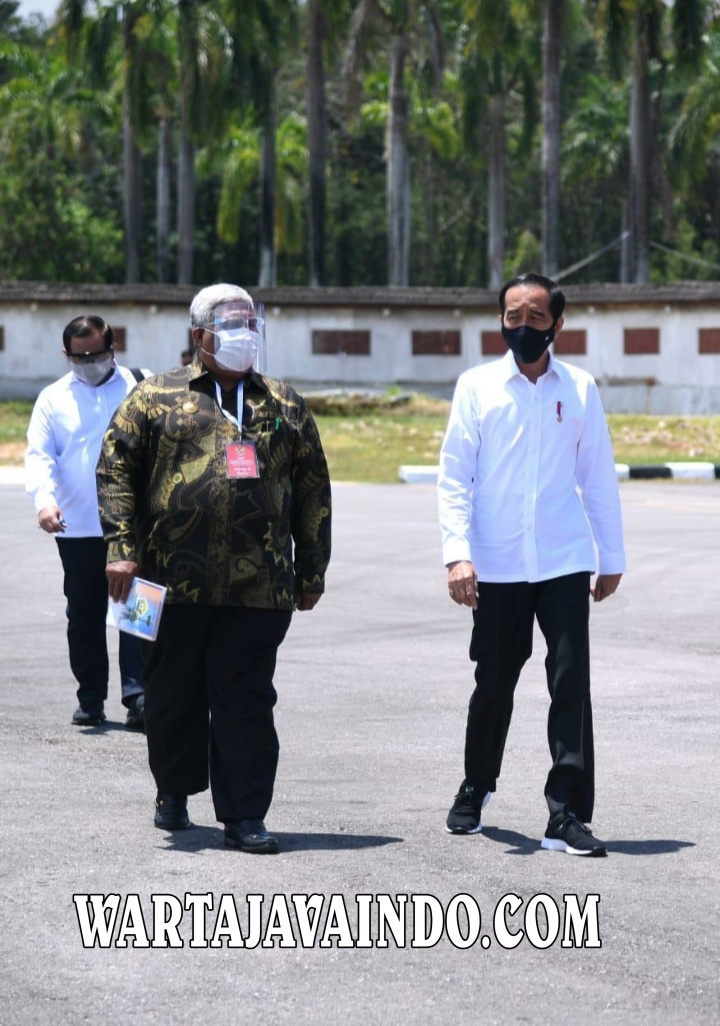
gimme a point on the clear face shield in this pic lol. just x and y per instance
(239, 330)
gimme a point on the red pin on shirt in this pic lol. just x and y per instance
(559, 412)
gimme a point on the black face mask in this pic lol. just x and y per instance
(528, 343)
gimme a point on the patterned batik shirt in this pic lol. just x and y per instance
(167, 503)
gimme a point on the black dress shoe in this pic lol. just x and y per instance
(171, 812)
(251, 836)
(136, 713)
(88, 718)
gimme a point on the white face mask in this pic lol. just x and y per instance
(238, 348)
(93, 373)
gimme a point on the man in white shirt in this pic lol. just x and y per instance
(527, 493)
(64, 436)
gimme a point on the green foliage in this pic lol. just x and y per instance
(527, 254)
(61, 133)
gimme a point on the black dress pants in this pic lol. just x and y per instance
(501, 644)
(209, 702)
(86, 590)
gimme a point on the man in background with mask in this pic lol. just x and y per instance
(213, 482)
(66, 429)
(527, 489)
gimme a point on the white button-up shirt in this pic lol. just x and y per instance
(64, 437)
(527, 484)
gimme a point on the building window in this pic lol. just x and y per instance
(571, 343)
(120, 339)
(642, 341)
(330, 343)
(436, 343)
(708, 340)
(492, 343)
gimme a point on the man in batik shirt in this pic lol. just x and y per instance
(213, 483)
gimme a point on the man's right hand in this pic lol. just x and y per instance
(462, 583)
(51, 520)
(120, 577)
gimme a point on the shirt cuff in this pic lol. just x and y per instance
(612, 562)
(120, 551)
(456, 551)
(43, 499)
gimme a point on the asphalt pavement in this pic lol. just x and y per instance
(373, 688)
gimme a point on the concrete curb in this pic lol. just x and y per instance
(428, 475)
(685, 471)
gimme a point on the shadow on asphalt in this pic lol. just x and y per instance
(521, 844)
(659, 847)
(204, 838)
(108, 727)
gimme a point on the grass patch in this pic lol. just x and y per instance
(14, 417)
(645, 439)
(367, 438)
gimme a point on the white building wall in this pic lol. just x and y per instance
(678, 380)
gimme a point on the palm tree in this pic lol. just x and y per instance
(325, 21)
(43, 102)
(238, 160)
(131, 153)
(101, 34)
(317, 31)
(408, 23)
(260, 30)
(642, 20)
(48, 117)
(553, 11)
(494, 65)
(187, 48)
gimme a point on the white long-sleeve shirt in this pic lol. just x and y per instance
(64, 437)
(527, 484)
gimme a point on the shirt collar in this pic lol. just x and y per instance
(510, 367)
(198, 370)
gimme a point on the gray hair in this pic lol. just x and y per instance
(202, 308)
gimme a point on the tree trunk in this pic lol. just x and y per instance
(341, 234)
(186, 204)
(552, 45)
(496, 192)
(640, 149)
(131, 163)
(186, 154)
(162, 199)
(626, 246)
(132, 195)
(398, 170)
(268, 265)
(316, 140)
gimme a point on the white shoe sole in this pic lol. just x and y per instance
(553, 844)
(478, 828)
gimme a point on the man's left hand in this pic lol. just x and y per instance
(606, 584)
(120, 577)
(305, 602)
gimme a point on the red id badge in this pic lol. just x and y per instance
(241, 459)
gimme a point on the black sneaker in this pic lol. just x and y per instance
(464, 816)
(568, 834)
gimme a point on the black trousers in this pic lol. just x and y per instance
(501, 644)
(86, 590)
(209, 704)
